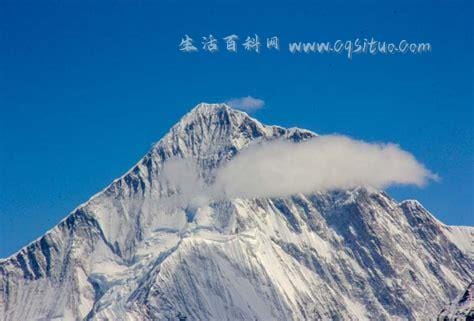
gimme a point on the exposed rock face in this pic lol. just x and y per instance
(461, 309)
(340, 255)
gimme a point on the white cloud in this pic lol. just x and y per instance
(248, 104)
(283, 168)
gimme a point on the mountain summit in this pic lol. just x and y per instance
(352, 254)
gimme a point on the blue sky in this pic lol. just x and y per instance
(86, 88)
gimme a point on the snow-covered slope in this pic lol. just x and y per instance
(341, 255)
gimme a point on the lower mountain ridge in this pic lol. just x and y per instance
(352, 254)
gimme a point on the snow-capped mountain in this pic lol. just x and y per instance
(341, 255)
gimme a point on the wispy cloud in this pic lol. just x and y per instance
(283, 168)
(248, 103)
(181, 177)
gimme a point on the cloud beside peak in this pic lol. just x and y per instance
(283, 168)
(248, 103)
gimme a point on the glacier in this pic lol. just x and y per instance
(352, 254)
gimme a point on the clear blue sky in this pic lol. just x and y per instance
(86, 88)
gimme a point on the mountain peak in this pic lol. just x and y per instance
(215, 132)
(218, 111)
(211, 130)
(136, 251)
(204, 107)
